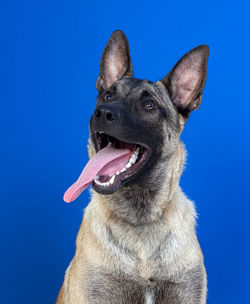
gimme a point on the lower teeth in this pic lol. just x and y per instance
(132, 161)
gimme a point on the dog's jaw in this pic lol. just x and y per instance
(145, 203)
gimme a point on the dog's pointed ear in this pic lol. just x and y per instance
(185, 82)
(115, 61)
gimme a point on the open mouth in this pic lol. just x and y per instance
(111, 176)
(114, 163)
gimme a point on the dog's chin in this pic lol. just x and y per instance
(130, 174)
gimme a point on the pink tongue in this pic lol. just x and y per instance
(106, 162)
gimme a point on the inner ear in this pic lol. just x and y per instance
(185, 82)
(115, 61)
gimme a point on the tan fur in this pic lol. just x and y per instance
(172, 213)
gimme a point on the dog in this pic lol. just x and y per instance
(137, 243)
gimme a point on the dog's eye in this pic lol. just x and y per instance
(107, 97)
(149, 105)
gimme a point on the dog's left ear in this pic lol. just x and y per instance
(185, 82)
(115, 61)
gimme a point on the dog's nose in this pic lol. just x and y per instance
(105, 113)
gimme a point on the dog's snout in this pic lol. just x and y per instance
(107, 114)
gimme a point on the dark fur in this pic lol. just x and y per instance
(108, 288)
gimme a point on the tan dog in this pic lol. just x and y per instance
(137, 242)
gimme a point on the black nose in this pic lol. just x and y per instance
(106, 113)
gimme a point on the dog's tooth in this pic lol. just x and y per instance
(112, 179)
(100, 183)
(97, 182)
(133, 159)
(105, 184)
(128, 165)
(109, 144)
(122, 170)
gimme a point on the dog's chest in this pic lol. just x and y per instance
(108, 288)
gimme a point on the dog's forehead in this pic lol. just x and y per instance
(132, 87)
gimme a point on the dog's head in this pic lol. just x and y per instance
(137, 123)
(140, 115)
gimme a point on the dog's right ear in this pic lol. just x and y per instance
(115, 61)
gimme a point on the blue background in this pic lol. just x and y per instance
(50, 52)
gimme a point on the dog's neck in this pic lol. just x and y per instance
(139, 205)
